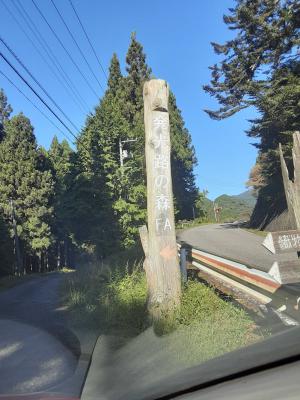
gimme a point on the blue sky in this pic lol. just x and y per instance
(176, 36)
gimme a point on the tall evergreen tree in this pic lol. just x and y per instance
(260, 67)
(118, 124)
(183, 160)
(115, 75)
(279, 108)
(138, 72)
(62, 164)
(5, 111)
(98, 163)
(6, 249)
(26, 187)
(267, 37)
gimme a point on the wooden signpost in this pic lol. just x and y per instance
(159, 242)
(286, 272)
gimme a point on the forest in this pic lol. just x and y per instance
(69, 203)
(72, 201)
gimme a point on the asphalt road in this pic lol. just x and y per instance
(232, 242)
(33, 356)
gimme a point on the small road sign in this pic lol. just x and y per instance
(282, 242)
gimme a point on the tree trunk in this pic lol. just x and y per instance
(39, 262)
(58, 256)
(66, 253)
(47, 260)
(163, 273)
(16, 240)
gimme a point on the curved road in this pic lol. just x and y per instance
(32, 356)
(232, 242)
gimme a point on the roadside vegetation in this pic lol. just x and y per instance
(113, 301)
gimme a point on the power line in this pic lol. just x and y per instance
(37, 82)
(63, 46)
(42, 55)
(87, 37)
(34, 91)
(76, 43)
(34, 105)
(43, 43)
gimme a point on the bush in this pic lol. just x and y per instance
(112, 296)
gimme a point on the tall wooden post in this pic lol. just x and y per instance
(292, 187)
(161, 264)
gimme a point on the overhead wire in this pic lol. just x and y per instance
(76, 44)
(43, 43)
(87, 37)
(37, 82)
(35, 106)
(68, 90)
(65, 49)
(35, 92)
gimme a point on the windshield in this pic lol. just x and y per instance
(149, 192)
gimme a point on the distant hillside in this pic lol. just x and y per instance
(248, 197)
(237, 207)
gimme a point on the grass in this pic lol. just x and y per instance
(114, 299)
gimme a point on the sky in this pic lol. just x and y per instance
(176, 37)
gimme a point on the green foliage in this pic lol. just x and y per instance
(69, 202)
(5, 111)
(118, 119)
(113, 299)
(111, 296)
(234, 208)
(183, 160)
(267, 37)
(202, 206)
(280, 117)
(6, 249)
(62, 162)
(238, 207)
(24, 184)
(260, 67)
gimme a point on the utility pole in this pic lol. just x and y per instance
(16, 238)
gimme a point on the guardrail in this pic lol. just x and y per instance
(253, 288)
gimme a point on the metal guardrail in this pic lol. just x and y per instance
(244, 281)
